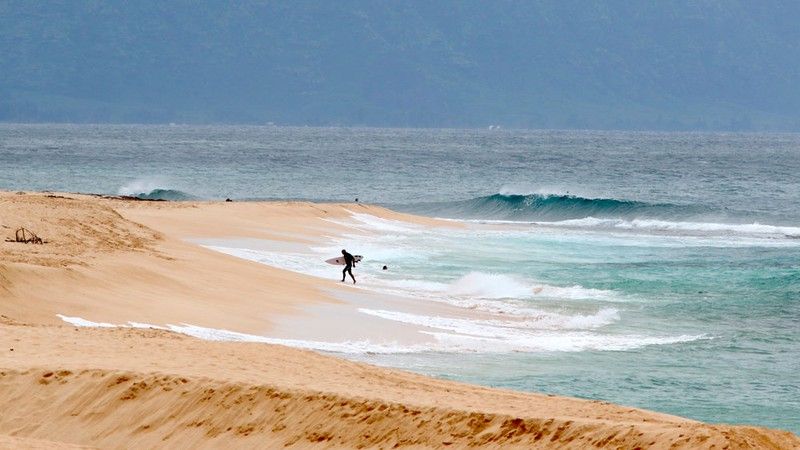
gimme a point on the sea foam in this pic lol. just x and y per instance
(497, 286)
(663, 225)
(480, 339)
(153, 189)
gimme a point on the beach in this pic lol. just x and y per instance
(142, 275)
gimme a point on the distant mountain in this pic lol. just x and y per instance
(672, 65)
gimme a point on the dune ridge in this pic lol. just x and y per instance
(80, 386)
(202, 413)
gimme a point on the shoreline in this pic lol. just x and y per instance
(115, 260)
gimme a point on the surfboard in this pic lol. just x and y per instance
(339, 261)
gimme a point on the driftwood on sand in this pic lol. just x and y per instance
(26, 236)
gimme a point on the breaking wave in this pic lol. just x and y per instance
(652, 225)
(570, 211)
(151, 189)
(551, 207)
(164, 194)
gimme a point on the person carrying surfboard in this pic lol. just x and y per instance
(349, 262)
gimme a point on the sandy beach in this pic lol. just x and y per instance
(120, 261)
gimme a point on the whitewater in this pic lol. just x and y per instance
(659, 270)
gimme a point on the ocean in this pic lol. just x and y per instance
(657, 270)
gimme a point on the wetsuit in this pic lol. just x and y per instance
(349, 262)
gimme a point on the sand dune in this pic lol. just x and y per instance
(114, 388)
(117, 261)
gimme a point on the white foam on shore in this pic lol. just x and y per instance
(706, 233)
(547, 333)
(215, 334)
(559, 342)
(499, 328)
(79, 322)
(296, 262)
(482, 340)
(374, 223)
(353, 347)
(663, 225)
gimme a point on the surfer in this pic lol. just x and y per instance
(349, 262)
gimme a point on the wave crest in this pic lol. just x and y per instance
(551, 207)
(151, 189)
(164, 194)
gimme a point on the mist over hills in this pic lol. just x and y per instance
(676, 65)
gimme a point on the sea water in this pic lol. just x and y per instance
(659, 270)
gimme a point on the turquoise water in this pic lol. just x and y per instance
(659, 270)
(732, 298)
